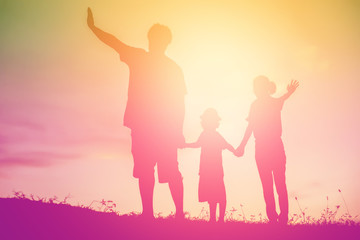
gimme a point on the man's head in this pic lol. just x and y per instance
(159, 38)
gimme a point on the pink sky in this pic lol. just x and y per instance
(63, 94)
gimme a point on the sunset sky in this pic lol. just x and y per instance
(63, 95)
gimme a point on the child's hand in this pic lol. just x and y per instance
(182, 145)
(231, 148)
(181, 142)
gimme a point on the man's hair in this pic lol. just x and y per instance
(161, 33)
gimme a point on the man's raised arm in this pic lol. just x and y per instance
(105, 37)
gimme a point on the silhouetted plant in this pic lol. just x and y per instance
(328, 215)
(242, 211)
(19, 195)
(347, 209)
(303, 217)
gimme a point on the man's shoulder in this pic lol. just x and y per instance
(172, 63)
(138, 50)
(254, 103)
(131, 55)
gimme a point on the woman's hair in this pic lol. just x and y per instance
(272, 88)
(263, 86)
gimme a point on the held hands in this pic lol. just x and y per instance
(182, 143)
(239, 152)
(90, 19)
(231, 149)
(292, 86)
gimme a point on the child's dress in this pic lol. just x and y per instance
(211, 183)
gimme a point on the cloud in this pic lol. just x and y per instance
(34, 159)
(23, 124)
(20, 115)
(12, 162)
(7, 139)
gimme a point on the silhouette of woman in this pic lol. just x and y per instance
(265, 123)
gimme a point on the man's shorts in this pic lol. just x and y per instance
(148, 150)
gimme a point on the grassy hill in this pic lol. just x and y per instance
(28, 219)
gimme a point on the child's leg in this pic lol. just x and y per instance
(222, 208)
(212, 206)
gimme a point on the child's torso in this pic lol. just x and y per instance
(212, 144)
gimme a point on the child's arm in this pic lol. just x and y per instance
(229, 147)
(196, 144)
(291, 89)
(105, 37)
(239, 152)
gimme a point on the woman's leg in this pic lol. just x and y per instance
(266, 178)
(279, 177)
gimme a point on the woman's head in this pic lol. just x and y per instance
(210, 119)
(263, 87)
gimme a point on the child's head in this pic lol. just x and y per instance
(210, 119)
(263, 87)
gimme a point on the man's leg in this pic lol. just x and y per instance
(268, 191)
(168, 171)
(177, 193)
(146, 186)
(279, 177)
(143, 170)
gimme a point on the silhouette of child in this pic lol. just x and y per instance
(265, 123)
(211, 183)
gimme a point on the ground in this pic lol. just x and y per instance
(29, 219)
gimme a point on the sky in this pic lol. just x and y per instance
(63, 95)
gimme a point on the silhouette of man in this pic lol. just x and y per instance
(154, 112)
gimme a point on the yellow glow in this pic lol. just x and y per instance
(221, 46)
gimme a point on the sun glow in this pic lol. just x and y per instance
(68, 97)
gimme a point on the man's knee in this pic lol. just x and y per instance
(147, 179)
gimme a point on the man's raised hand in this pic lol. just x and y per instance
(90, 19)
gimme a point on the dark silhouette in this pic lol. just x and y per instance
(265, 122)
(26, 219)
(154, 112)
(211, 182)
